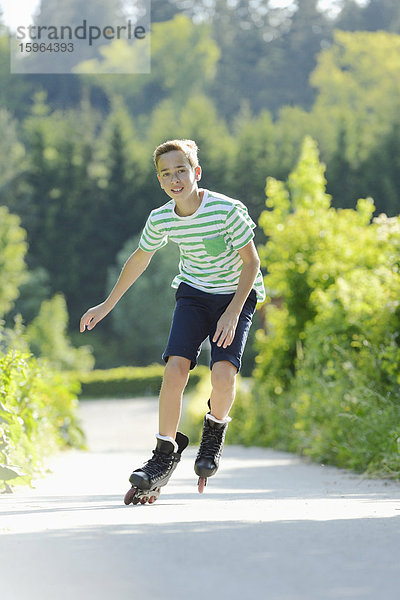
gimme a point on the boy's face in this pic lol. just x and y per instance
(176, 175)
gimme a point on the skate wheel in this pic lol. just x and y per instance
(135, 501)
(129, 496)
(143, 500)
(201, 484)
(152, 499)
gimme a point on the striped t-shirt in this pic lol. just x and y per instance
(208, 240)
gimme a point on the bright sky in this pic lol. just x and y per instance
(17, 12)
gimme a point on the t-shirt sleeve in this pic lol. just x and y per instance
(239, 226)
(153, 236)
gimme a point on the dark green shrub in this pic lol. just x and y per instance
(126, 381)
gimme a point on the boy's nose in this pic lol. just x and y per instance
(175, 177)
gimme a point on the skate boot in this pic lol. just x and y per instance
(212, 442)
(156, 472)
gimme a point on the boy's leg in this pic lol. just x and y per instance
(156, 472)
(216, 422)
(225, 363)
(189, 328)
(223, 374)
(175, 378)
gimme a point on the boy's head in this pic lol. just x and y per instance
(188, 147)
(178, 168)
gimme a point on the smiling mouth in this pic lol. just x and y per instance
(176, 190)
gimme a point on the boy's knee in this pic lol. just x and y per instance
(223, 375)
(177, 368)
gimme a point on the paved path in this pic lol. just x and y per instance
(269, 526)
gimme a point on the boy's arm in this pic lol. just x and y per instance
(228, 321)
(132, 269)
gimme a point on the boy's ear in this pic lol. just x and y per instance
(197, 173)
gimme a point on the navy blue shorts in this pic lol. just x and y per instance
(195, 318)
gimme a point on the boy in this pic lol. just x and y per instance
(218, 286)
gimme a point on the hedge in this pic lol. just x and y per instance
(128, 381)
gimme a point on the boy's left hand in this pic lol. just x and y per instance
(226, 328)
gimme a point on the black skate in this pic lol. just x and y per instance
(155, 473)
(212, 442)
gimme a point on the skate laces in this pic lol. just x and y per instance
(157, 463)
(211, 442)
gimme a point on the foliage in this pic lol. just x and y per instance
(373, 15)
(68, 200)
(255, 156)
(47, 337)
(385, 161)
(267, 52)
(327, 380)
(174, 42)
(358, 82)
(13, 248)
(143, 339)
(12, 151)
(35, 289)
(37, 415)
(77, 167)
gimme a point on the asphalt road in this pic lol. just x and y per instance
(268, 526)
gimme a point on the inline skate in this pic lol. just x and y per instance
(211, 445)
(156, 472)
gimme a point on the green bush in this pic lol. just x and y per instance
(327, 378)
(126, 381)
(38, 414)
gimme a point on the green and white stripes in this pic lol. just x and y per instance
(208, 240)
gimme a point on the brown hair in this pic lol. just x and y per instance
(188, 147)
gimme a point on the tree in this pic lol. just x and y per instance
(183, 64)
(358, 82)
(199, 120)
(13, 249)
(12, 151)
(163, 10)
(350, 17)
(379, 174)
(47, 338)
(61, 196)
(34, 290)
(15, 90)
(143, 340)
(255, 158)
(300, 44)
(81, 200)
(375, 15)
(267, 53)
(381, 15)
(241, 46)
(342, 177)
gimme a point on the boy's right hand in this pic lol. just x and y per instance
(93, 316)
